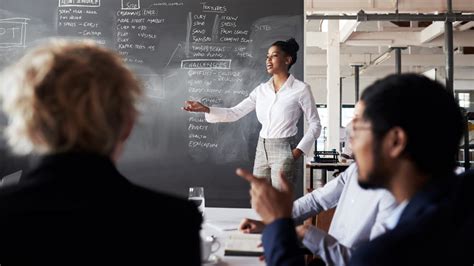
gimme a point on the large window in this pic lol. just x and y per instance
(323, 115)
(347, 112)
(464, 98)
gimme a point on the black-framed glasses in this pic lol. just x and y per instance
(358, 125)
(360, 128)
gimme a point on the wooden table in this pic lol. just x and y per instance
(324, 167)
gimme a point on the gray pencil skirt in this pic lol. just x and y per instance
(273, 156)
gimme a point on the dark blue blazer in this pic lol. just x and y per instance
(434, 229)
(77, 209)
(280, 244)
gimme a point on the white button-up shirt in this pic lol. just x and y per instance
(277, 112)
(393, 219)
(360, 216)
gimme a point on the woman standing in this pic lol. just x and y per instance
(279, 103)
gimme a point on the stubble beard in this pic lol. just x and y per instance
(378, 176)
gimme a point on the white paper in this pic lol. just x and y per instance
(224, 225)
(244, 242)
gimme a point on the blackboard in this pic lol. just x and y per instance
(209, 50)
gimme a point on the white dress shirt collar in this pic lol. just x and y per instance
(288, 83)
(393, 219)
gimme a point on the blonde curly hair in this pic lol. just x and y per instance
(68, 96)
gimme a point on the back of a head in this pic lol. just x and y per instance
(425, 110)
(68, 96)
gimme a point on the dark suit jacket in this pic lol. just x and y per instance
(432, 230)
(280, 244)
(78, 209)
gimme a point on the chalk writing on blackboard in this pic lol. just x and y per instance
(130, 4)
(212, 51)
(206, 64)
(79, 3)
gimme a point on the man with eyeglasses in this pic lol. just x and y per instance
(396, 148)
(359, 215)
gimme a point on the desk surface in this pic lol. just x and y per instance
(227, 216)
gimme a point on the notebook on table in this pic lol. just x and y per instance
(240, 244)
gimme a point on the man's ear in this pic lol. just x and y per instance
(395, 142)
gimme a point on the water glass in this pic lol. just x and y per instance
(196, 195)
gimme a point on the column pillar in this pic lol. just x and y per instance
(333, 80)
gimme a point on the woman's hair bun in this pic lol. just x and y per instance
(293, 45)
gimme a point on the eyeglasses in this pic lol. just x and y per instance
(358, 126)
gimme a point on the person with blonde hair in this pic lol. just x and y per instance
(74, 105)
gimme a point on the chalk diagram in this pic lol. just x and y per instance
(13, 32)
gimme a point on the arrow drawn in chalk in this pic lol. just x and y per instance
(172, 55)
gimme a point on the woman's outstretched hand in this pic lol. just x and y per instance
(193, 106)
